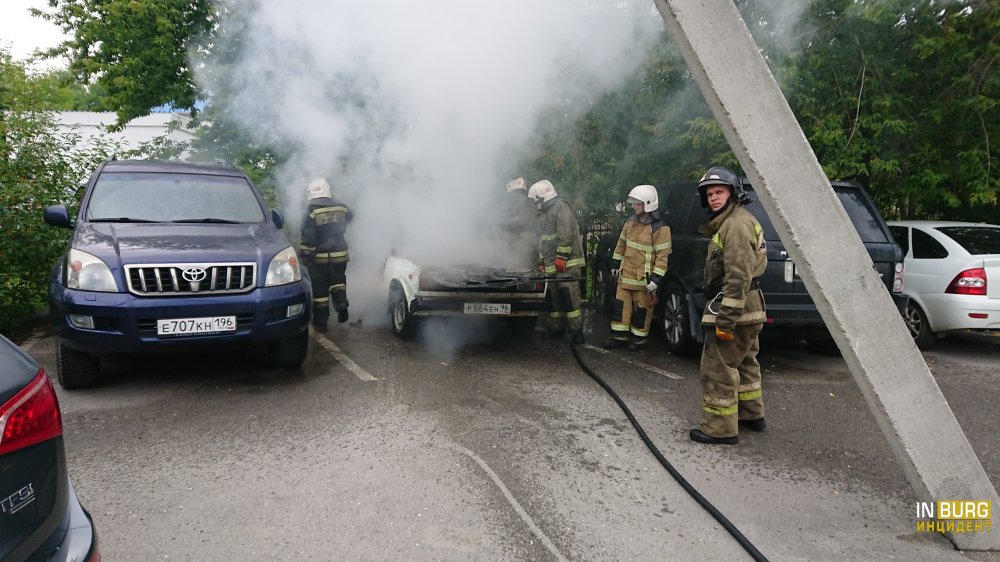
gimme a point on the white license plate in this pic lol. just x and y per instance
(186, 326)
(487, 308)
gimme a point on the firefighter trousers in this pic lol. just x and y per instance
(565, 309)
(730, 381)
(329, 280)
(632, 314)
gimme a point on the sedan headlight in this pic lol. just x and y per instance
(283, 269)
(85, 272)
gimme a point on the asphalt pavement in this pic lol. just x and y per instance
(472, 444)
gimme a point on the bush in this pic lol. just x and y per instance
(39, 166)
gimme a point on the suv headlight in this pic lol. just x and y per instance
(85, 272)
(283, 269)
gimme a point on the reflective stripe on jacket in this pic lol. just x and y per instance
(737, 254)
(642, 251)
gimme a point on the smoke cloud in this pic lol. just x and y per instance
(413, 110)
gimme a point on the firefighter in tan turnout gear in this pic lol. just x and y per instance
(560, 249)
(640, 262)
(324, 251)
(734, 313)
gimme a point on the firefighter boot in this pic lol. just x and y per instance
(636, 344)
(340, 303)
(702, 437)
(755, 425)
(613, 343)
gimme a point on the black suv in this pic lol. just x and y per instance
(789, 306)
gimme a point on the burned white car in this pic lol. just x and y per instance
(516, 297)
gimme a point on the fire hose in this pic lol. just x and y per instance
(691, 490)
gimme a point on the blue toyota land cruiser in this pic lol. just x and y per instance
(170, 256)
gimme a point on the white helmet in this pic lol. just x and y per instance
(319, 188)
(645, 194)
(514, 185)
(541, 191)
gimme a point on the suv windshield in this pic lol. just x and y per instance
(167, 197)
(977, 240)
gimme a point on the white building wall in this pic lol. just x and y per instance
(92, 124)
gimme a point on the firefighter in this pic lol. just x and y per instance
(521, 225)
(734, 313)
(640, 262)
(324, 251)
(560, 250)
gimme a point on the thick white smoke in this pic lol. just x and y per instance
(411, 109)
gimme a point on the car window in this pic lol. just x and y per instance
(977, 240)
(902, 236)
(173, 197)
(864, 217)
(926, 247)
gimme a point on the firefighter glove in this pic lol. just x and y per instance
(723, 335)
(561, 265)
(616, 273)
(651, 287)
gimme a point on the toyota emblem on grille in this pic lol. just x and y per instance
(193, 274)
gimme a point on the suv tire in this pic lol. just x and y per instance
(675, 321)
(920, 328)
(602, 301)
(290, 353)
(404, 325)
(76, 369)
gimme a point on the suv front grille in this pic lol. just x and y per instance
(191, 279)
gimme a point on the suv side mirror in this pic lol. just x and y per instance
(276, 216)
(57, 215)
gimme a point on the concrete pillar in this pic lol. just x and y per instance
(896, 382)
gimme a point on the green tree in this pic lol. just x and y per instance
(38, 167)
(135, 50)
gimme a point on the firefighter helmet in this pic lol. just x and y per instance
(645, 194)
(319, 188)
(514, 185)
(541, 192)
(718, 175)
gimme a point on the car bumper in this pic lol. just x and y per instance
(80, 541)
(124, 323)
(961, 312)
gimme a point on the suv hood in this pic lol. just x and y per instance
(122, 243)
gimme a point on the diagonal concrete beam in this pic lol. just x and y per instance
(896, 382)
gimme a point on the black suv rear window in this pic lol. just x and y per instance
(164, 197)
(977, 240)
(864, 218)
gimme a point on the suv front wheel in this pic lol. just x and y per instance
(290, 353)
(76, 369)
(675, 321)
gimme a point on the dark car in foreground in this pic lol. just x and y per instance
(170, 256)
(790, 309)
(40, 516)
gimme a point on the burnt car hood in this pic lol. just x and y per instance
(123, 244)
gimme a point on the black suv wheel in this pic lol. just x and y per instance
(675, 321)
(290, 353)
(76, 369)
